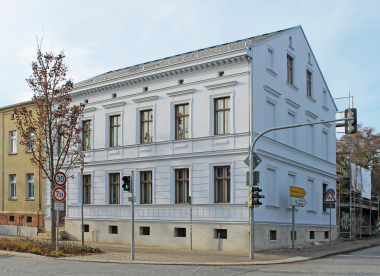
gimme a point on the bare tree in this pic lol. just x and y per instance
(52, 136)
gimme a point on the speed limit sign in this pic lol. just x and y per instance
(60, 178)
(59, 194)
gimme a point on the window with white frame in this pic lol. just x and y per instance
(290, 71)
(114, 188)
(181, 185)
(146, 126)
(13, 142)
(291, 132)
(182, 121)
(272, 187)
(87, 189)
(30, 142)
(222, 189)
(30, 185)
(308, 83)
(12, 186)
(87, 132)
(311, 201)
(115, 131)
(222, 122)
(146, 187)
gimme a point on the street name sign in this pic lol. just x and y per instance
(60, 178)
(297, 201)
(294, 191)
(329, 198)
(59, 194)
(59, 206)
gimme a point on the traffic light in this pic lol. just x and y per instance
(350, 126)
(127, 183)
(254, 197)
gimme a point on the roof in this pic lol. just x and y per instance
(193, 55)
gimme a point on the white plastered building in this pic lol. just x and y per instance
(182, 125)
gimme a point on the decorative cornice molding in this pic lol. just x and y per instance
(274, 74)
(145, 99)
(162, 75)
(111, 105)
(183, 92)
(272, 91)
(325, 108)
(311, 114)
(221, 85)
(89, 109)
(294, 104)
(327, 124)
(311, 99)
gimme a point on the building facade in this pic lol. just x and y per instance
(181, 124)
(22, 190)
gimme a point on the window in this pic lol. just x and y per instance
(180, 232)
(144, 231)
(327, 234)
(324, 145)
(86, 139)
(222, 184)
(324, 194)
(146, 126)
(181, 185)
(146, 187)
(220, 234)
(312, 235)
(30, 142)
(291, 132)
(112, 229)
(272, 235)
(115, 131)
(12, 186)
(86, 189)
(61, 139)
(11, 218)
(86, 228)
(308, 83)
(182, 121)
(30, 112)
(290, 41)
(114, 188)
(309, 57)
(290, 69)
(114, 95)
(295, 235)
(222, 116)
(221, 73)
(13, 142)
(29, 219)
(270, 59)
(180, 81)
(30, 185)
(310, 202)
(12, 116)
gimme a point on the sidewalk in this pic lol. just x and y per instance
(153, 255)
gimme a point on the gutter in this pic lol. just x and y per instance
(2, 170)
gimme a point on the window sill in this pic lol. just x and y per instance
(272, 241)
(30, 199)
(292, 86)
(12, 153)
(12, 199)
(271, 72)
(290, 209)
(310, 99)
(325, 213)
(311, 211)
(272, 207)
(309, 63)
(291, 48)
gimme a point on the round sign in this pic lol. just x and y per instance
(332, 191)
(60, 178)
(59, 194)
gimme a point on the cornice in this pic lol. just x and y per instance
(311, 114)
(220, 85)
(89, 109)
(145, 99)
(111, 105)
(294, 104)
(183, 92)
(272, 91)
(161, 75)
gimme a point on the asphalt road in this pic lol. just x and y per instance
(364, 262)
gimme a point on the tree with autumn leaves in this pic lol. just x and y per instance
(53, 135)
(366, 145)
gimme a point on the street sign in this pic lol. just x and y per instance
(59, 206)
(256, 160)
(297, 201)
(59, 194)
(60, 178)
(329, 198)
(294, 191)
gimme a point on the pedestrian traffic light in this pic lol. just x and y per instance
(127, 183)
(254, 196)
(350, 126)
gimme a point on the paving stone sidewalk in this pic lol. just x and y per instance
(154, 255)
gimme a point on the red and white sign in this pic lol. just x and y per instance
(59, 194)
(60, 178)
(329, 198)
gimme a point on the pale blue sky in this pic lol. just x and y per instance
(99, 36)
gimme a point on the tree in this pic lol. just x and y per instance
(366, 145)
(52, 136)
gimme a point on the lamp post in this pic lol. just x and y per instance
(82, 188)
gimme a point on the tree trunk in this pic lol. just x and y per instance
(53, 216)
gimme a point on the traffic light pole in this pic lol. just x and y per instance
(252, 166)
(133, 217)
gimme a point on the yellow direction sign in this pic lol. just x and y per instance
(294, 191)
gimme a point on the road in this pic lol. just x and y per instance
(364, 262)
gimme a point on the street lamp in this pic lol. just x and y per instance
(82, 187)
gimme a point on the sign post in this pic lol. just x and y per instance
(330, 199)
(59, 195)
(295, 199)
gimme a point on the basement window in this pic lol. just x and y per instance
(112, 229)
(221, 73)
(180, 232)
(295, 235)
(273, 235)
(11, 218)
(29, 219)
(86, 228)
(327, 236)
(145, 231)
(312, 235)
(220, 234)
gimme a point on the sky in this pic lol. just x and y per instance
(100, 36)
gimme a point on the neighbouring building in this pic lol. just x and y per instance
(22, 189)
(181, 124)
